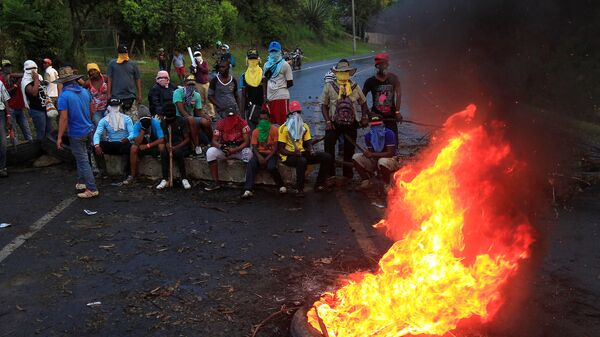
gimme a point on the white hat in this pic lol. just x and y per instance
(28, 65)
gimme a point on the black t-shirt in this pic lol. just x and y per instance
(383, 93)
(35, 102)
(253, 94)
(179, 129)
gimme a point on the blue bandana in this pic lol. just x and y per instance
(378, 137)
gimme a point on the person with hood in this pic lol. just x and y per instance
(12, 82)
(252, 90)
(384, 87)
(189, 105)
(98, 88)
(223, 91)
(231, 140)
(33, 90)
(296, 150)
(50, 75)
(178, 143)
(278, 79)
(74, 104)
(113, 135)
(264, 154)
(124, 82)
(148, 139)
(338, 106)
(160, 93)
(379, 158)
(200, 72)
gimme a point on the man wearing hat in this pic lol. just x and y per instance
(231, 140)
(296, 150)
(98, 88)
(189, 105)
(74, 106)
(338, 105)
(380, 155)
(252, 90)
(148, 139)
(113, 135)
(278, 79)
(200, 72)
(50, 75)
(124, 82)
(385, 91)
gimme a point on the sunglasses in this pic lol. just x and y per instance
(32, 68)
(162, 78)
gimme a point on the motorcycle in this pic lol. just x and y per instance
(296, 60)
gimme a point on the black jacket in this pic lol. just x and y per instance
(158, 96)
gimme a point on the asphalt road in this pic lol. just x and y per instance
(193, 263)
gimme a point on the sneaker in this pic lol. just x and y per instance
(365, 184)
(300, 194)
(186, 184)
(4, 174)
(198, 150)
(247, 194)
(322, 188)
(212, 186)
(163, 184)
(80, 187)
(282, 190)
(128, 181)
(88, 194)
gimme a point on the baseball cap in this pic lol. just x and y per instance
(382, 58)
(114, 102)
(294, 106)
(6, 63)
(375, 120)
(47, 61)
(274, 46)
(122, 49)
(252, 54)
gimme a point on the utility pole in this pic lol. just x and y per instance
(353, 30)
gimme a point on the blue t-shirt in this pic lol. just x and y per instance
(156, 131)
(105, 131)
(390, 139)
(76, 101)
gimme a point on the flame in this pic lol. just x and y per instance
(460, 236)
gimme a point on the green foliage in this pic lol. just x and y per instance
(316, 13)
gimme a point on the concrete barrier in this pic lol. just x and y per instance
(229, 170)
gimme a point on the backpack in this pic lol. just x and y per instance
(344, 108)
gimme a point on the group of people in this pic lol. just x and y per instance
(252, 120)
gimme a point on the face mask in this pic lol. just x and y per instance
(252, 63)
(343, 76)
(381, 69)
(199, 59)
(275, 55)
(145, 122)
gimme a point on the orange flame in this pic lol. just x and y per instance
(459, 234)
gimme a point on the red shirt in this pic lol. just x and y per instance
(231, 129)
(16, 96)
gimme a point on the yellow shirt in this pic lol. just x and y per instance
(284, 137)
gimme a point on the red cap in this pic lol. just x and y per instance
(48, 61)
(294, 106)
(382, 58)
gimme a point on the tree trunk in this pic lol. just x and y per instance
(143, 48)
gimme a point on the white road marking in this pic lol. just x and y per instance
(36, 227)
(333, 63)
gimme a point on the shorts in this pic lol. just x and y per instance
(279, 110)
(213, 154)
(152, 152)
(180, 71)
(391, 164)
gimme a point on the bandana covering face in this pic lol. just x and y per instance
(378, 137)
(343, 81)
(189, 94)
(123, 57)
(295, 125)
(115, 118)
(28, 78)
(231, 131)
(274, 63)
(264, 126)
(163, 82)
(199, 60)
(253, 75)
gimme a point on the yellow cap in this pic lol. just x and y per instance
(91, 66)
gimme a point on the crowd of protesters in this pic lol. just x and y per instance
(253, 120)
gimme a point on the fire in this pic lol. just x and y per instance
(459, 237)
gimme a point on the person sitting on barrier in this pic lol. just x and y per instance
(296, 150)
(231, 139)
(113, 135)
(148, 139)
(160, 93)
(189, 105)
(379, 158)
(177, 143)
(264, 149)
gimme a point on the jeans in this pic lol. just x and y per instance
(331, 137)
(301, 162)
(2, 140)
(98, 115)
(18, 118)
(178, 159)
(42, 123)
(114, 148)
(79, 149)
(253, 167)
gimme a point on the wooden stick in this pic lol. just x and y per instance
(170, 157)
(283, 310)
(362, 149)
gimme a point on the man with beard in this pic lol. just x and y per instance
(177, 141)
(223, 91)
(98, 88)
(189, 105)
(384, 87)
(160, 93)
(113, 135)
(278, 79)
(296, 150)
(231, 139)
(252, 89)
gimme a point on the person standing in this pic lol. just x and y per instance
(252, 88)
(385, 91)
(50, 75)
(200, 72)
(160, 93)
(35, 98)
(278, 79)
(5, 120)
(338, 102)
(178, 143)
(74, 104)
(98, 88)
(179, 63)
(12, 82)
(124, 82)
(223, 91)
(162, 59)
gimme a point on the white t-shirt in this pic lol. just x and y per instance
(277, 86)
(51, 75)
(4, 96)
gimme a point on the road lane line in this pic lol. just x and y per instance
(331, 64)
(353, 220)
(36, 227)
